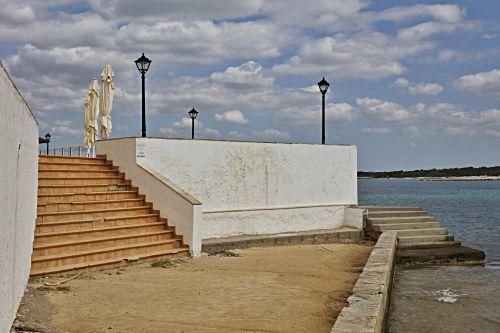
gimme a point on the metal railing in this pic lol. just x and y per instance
(77, 151)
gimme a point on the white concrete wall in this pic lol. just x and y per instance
(271, 221)
(18, 196)
(227, 175)
(258, 188)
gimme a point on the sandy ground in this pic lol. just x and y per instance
(272, 289)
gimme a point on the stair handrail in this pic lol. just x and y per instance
(74, 151)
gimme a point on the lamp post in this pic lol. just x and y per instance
(323, 88)
(47, 140)
(192, 114)
(143, 65)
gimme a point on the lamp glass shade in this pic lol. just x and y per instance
(193, 113)
(143, 64)
(47, 136)
(323, 86)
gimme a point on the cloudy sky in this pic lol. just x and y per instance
(415, 84)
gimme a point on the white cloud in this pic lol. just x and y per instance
(425, 89)
(422, 88)
(311, 115)
(203, 41)
(235, 117)
(362, 56)
(401, 83)
(16, 13)
(182, 128)
(428, 29)
(271, 133)
(432, 119)
(382, 110)
(483, 82)
(248, 75)
(173, 10)
(443, 13)
(376, 130)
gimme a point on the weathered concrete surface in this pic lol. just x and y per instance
(18, 190)
(342, 235)
(368, 305)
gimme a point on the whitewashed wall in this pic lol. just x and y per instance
(18, 195)
(258, 188)
(239, 175)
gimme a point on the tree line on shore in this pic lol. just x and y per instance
(452, 172)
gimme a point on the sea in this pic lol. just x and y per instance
(446, 298)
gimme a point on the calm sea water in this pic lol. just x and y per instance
(446, 298)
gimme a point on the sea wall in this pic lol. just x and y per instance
(18, 195)
(368, 306)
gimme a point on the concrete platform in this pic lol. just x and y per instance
(452, 254)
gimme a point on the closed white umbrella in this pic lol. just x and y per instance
(106, 100)
(90, 130)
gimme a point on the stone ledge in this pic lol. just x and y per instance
(324, 236)
(367, 307)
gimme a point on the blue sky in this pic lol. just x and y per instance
(415, 84)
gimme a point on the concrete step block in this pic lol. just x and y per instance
(395, 220)
(429, 238)
(390, 208)
(422, 232)
(403, 226)
(409, 213)
(427, 245)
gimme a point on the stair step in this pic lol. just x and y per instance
(96, 213)
(408, 213)
(80, 257)
(90, 205)
(91, 217)
(90, 196)
(75, 235)
(403, 226)
(69, 173)
(82, 166)
(50, 181)
(422, 232)
(390, 208)
(421, 239)
(115, 262)
(92, 244)
(428, 245)
(121, 184)
(394, 220)
(111, 221)
(71, 159)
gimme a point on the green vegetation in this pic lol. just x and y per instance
(454, 172)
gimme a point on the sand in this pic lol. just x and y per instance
(271, 289)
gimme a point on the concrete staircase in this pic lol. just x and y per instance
(90, 216)
(414, 226)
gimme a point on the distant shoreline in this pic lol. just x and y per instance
(465, 178)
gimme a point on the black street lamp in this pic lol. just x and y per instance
(143, 65)
(46, 140)
(192, 114)
(323, 88)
